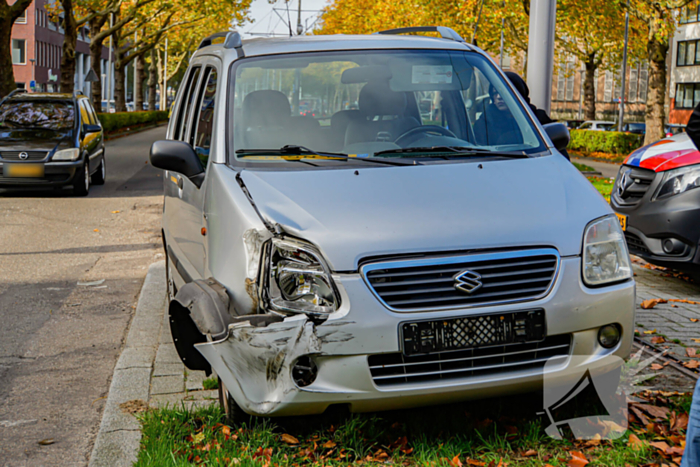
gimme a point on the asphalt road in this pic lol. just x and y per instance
(70, 273)
(606, 169)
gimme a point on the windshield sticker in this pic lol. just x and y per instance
(427, 74)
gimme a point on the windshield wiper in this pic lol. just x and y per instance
(301, 150)
(460, 151)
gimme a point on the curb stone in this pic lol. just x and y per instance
(119, 436)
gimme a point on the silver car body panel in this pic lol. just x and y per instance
(376, 211)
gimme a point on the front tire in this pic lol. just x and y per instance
(235, 416)
(81, 184)
(98, 178)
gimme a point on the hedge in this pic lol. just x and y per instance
(119, 120)
(610, 142)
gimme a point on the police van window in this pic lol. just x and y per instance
(204, 121)
(185, 105)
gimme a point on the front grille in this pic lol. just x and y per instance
(635, 244)
(431, 283)
(396, 368)
(638, 181)
(32, 155)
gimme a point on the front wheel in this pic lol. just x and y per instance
(98, 178)
(235, 415)
(81, 184)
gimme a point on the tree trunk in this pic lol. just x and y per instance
(152, 81)
(7, 75)
(656, 96)
(119, 91)
(138, 91)
(589, 96)
(95, 64)
(70, 38)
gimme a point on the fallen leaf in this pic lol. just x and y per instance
(116, 212)
(47, 442)
(289, 439)
(226, 430)
(658, 340)
(694, 320)
(691, 352)
(656, 367)
(654, 411)
(455, 462)
(679, 422)
(578, 459)
(96, 230)
(329, 444)
(635, 443)
(660, 445)
(134, 406)
(692, 364)
(642, 418)
(684, 300)
(651, 303)
(650, 332)
(475, 463)
(198, 438)
(529, 453)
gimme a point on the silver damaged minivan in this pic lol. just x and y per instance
(378, 222)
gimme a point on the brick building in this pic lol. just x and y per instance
(37, 45)
(684, 89)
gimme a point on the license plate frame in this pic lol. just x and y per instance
(623, 221)
(23, 170)
(468, 332)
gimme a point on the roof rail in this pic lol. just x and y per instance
(12, 93)
(232, 40)
(77, 93)
(445, 32)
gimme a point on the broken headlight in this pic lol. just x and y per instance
(605, 257)
(298, 280)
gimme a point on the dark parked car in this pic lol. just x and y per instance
(636, 128)
(657, 201)
(50, 139)
(672, 129)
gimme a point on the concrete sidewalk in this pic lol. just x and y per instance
(607, 170)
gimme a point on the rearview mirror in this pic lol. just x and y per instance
(559, 135)
(91, 129)
(179, 157)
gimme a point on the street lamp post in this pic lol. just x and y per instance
(540, 52)
(621, 117)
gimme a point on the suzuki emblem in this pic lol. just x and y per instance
(468, 281)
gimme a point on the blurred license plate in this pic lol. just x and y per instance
(423, 337)
(623, 220)
(23, 170)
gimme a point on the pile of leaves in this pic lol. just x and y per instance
(493, 433)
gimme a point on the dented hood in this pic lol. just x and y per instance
(351, 214)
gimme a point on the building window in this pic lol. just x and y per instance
(22, 18)
(19, 52)
(688, 53)
(608, 90)
(687, 95)
(689, 14)
(21, 85)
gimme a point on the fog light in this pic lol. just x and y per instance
(609, 336)
(673, 246)
(304, 371)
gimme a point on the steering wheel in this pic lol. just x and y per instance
(435, 129)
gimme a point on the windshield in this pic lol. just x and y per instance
(48, 115)
(375, 104)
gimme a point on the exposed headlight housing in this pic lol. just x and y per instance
(605, 256)
(297, 279)
(679, 181)
(72, 154)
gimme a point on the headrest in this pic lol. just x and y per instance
(265, 108)
(379, 99)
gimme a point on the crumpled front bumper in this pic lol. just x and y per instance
(255, 362)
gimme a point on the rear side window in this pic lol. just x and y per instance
(204, 121)
(186, 105)
(85, 115)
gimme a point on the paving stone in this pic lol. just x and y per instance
(169, 369)
(167, 400)
(194, 380)
(167, 354)
(167, 384)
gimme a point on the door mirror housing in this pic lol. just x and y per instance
(559, 135)
(91, 129)
(179, 157)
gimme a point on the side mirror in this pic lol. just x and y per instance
(559, 135)
(91, 129)
(179, 157)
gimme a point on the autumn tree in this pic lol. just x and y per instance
(592, 31)
(659, 17)
(8, 16)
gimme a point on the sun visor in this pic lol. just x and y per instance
(365, 74)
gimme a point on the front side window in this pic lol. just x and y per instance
(368, 103)
(205, 120)
(47, 115)
(19, 52)
(184, 111)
